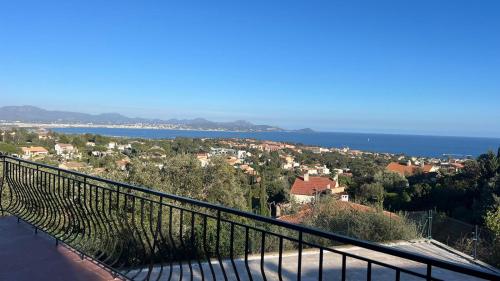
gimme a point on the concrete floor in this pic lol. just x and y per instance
(356, 269)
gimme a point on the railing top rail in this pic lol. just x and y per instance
(465, 269)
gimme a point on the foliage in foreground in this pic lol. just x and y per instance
(377, 226)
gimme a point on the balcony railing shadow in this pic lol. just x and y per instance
(142, 234)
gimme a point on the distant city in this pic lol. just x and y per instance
(31, 116)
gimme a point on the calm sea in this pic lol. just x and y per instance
(431, 146)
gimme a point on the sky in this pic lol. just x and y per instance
(413, 67)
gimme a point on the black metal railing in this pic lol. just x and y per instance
(142, 234)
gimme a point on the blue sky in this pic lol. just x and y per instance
(424, 67)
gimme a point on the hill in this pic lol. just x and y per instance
(32, 114)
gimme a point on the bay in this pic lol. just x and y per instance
(413, 145)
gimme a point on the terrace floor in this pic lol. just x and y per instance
(26, 256)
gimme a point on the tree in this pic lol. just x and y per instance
(488, 184)
(370, 193)
(264, 211)
(340, 217)
(492, 220)
(184, 176)
(148, 175)
(78, 142)
(221, 185)
(277, 191)
(9, 148)
(392, 182)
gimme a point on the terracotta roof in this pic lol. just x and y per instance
(306, 211)
(400, 168)
(122, 162)
(34, 149)
(363, 208)
(64, 145)
(73, 165)
(458, 165)
(299, 217)
(315, 184)
(427, 168)
(408, 170)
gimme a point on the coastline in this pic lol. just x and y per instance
(128, 126)
(411, 145)
(183, 128)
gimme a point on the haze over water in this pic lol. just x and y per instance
(413, 145)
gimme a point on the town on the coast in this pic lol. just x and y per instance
(362, 194)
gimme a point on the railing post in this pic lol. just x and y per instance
(2, 179)
(429, 226)
(474, 240)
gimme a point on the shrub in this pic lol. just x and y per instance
(368, 224)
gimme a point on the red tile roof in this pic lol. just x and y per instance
(64, 145)
(427, 168)
(400, 168)
(315, 184)
(307, 211)
(406, 170)
(298, 217)
(35, 149)
(458, 165)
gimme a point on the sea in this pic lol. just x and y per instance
(411, 145)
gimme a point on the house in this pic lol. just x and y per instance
(457, 166)
(233, 160)
(338, 171)
(111, 145)
(308, 170)
(306, 188)
(29, 152)
(247, 169)
(122, 163)
(203, 158)
(90, 143)
(97, 153)
(271, 147)
(123, 147)
(64, 149)
(287, 166)
(242, 154)
(409, 169)
(289, 162)
(220, 151)
(315, 170)
(323, 170)
(43, 134)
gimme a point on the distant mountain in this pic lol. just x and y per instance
(305, 131)
(32, 114)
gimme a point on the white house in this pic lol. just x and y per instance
(323, 170)
(122, 147)
(64, 149)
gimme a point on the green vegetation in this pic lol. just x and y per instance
(372, 225)
(470, 195)
(9, 148)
